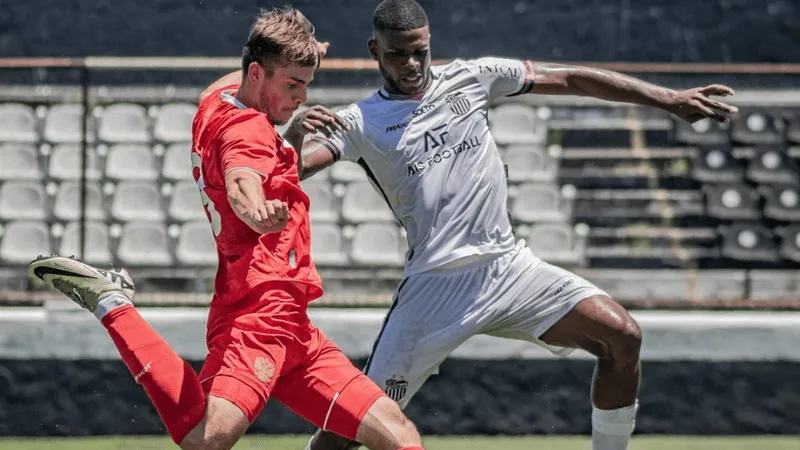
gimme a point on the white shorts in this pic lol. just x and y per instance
(515, 296)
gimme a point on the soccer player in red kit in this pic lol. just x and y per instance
(261, 342)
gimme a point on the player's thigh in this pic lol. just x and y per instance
(328, 390)
(222, 426)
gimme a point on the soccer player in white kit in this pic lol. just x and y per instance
(424, 141)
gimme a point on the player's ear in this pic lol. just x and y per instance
(372, 48)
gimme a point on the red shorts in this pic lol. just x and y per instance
(265, 346)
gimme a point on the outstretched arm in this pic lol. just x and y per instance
(315, 157)
(690, 105)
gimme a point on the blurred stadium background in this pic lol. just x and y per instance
(695, 228)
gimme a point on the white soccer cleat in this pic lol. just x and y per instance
(84, 284)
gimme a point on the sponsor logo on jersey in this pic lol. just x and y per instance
(563, 286)
(459, 103)
(399, 126)
(396, 387)
(423, 109)
(418, 167)
(435, 138)
(503, 71)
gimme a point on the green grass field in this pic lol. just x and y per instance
(432, 443)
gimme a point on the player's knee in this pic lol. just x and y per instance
(326, 440)
(386, 427)
(625, 343)
(210, 440)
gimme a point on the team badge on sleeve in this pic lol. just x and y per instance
(459, 103)
(396, 387)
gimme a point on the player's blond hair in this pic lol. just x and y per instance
(281, 36)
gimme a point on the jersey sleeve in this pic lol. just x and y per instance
(345, 144)
(249, 142)
(502, 77)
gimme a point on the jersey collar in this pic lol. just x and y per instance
(228, 97)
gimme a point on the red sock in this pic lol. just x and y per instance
(171, 383)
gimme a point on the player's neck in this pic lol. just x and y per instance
(246, 98)
(392, 93)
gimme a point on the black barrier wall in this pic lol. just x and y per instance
(580, 30)
(59, 397)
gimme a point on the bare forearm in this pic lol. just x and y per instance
(245, 195)
(560, 79)
(315, 157)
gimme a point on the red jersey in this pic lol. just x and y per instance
(227, 135)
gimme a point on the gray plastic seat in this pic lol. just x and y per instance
(347, 172)
(98, 250)
(65, 163)
(17, 123)
(362, 203)
(173, 122)
(67, 204)
(556, 243)
(137, 200)
(324, 204)
(22, 200)
(327, 244)
(529, 163)
(19, 162)
(63, 124)
(144, 244)
(123, 122)
(702, 132)
(516, 124)
(23, 241)
(732, 202)
(196, 245)
(378, 244)
(790, 243)
(540, 203)
(748, 242)
(185, 202)
(132, 162)
(177, 163)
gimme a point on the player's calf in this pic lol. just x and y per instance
(223, 425)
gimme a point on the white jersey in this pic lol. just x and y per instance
(435, 162)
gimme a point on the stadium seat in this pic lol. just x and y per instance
(377, 244)
(67, 205)
(324, 204)
(717, 165)
(781, 202)
(790, 243)
(196, 246)
(65, 163)
(63, 124)
(362, 203)
(793, 130)
(173, 122)
(19, 162)
(557, 243)
(327, 244)
(185, 202)
(122, 122)
(542, 203)
(756, 127)
(530, 163)
(748, 242)
(132, 162)
(732, 202)
(516, 124)
(22, 200)
(773, 166)
(98, 250)
(23, 241)
(178, 162)
(144, 244)
(347, 172)
(703, 132)
(137, 200)
(17, 123)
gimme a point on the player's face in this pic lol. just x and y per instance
(284, 91)
(404, 59)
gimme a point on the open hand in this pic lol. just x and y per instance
(317, 119)
(695, 104)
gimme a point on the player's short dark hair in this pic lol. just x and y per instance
(399, 15)
(282, 35)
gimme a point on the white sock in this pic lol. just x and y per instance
(110, 302)
(612, 428)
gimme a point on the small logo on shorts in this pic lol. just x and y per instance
(264, 369)
(396, 387)
(292, 259)
(563, 286)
